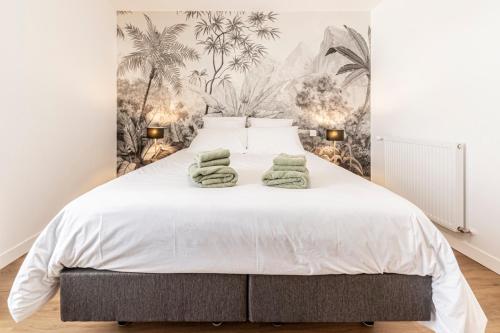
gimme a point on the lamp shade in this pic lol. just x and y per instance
(155, 133)
(335, 135)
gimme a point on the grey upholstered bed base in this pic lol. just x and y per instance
(93, 295)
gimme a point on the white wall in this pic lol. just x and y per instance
(277, 5)
(57, 107)
(436, 76)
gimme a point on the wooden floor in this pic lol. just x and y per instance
(485, 283)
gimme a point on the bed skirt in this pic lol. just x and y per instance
(96, 295)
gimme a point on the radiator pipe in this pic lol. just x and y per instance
(464, 230)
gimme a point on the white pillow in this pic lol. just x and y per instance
(234, 139)
(267, 122)
(274, 140)
(224, 122)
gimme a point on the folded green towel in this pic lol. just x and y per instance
(286, 179)
(213, 176)
(289, 168)
(220, 162)
(285, 159)
(211, 155)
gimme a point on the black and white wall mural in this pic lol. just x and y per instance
(176, 67)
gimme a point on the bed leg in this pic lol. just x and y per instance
(122, 323)
(368, 323)
(217, 323)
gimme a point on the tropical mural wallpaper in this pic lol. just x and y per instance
(176, 67)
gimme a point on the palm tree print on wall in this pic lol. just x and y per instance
(119, 31)
(229, 38)
(360, 65)
(157, 55)
(176, 67)
(358, 68)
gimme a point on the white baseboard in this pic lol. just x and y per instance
(484, 258)
(16, 251)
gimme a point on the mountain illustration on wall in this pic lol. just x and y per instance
(176, 67)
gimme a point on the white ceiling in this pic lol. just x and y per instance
(280, 5)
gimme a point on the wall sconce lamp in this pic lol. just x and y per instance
(155, 133)
(335, 135)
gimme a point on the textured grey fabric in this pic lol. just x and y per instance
(91, 295)
(339, 298)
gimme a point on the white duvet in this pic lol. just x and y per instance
(154, 220)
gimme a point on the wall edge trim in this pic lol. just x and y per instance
(10, 255)
(482, 257)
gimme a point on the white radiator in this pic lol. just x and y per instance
(431, 175)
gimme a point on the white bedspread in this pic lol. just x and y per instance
(154, 220)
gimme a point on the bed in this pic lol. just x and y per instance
(343, 250)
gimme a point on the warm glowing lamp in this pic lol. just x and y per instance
(335, 135)
(155, 133)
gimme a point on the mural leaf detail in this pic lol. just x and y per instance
(229, 39)
(350, 55)
(354, 75)
(360, 43)
(157, 55)
(176, 67)
(349, 68)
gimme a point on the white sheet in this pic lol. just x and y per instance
(154, 220)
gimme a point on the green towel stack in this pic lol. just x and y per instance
(288, 171)
(211, 169)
